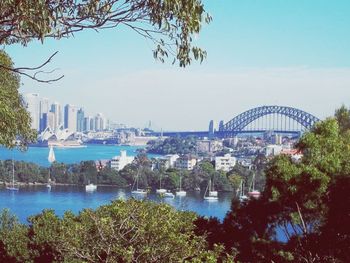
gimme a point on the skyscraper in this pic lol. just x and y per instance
(80, 120)
(70, 117)
(87, 121)
(211, 129)
(32, 102)
(43, 111)
(99, 122)
(56, 109)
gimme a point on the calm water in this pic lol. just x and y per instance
(39, 155)
(32, 200)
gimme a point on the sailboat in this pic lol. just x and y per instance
(254, 193)
(51, 158)
(212, 192)
(242, 196)
(169, 194)
(208, 190)
(137, 190)
(160, 190)
(12, 186)
(180, 192)
(90, 187)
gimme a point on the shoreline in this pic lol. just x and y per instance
(58, 184)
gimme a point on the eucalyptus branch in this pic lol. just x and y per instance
(34, 76)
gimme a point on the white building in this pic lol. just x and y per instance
(225, 163)
(273, 150)
(185, 162)
(70, 117)
(119, 162)
(99, 122)
(56, 109)
(32, 103)
(170, 160)
(50, 120)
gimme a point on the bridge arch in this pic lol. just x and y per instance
(238, 123)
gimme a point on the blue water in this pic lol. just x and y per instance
(31, 200)
(39, 155)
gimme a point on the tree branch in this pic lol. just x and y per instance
(24, 71)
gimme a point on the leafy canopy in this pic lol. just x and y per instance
(14, 119)
(170, 24)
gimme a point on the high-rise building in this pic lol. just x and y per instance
(80, 120)
(92, 124)
(221, 125)
(70, 118)
(43, 111)
(50, 120)
(32, 102)
(56, 109)
(99, 122)
(86, 126)
(211, 129)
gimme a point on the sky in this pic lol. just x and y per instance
(260, 52)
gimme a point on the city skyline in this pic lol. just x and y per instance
(271, 53)
(51, 114)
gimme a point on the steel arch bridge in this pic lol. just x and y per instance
(241, 121)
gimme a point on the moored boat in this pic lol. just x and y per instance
(208, 190)
(180, 192)
(12, 186)
(90, 187)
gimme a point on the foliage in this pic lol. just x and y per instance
(169, 24)
(342, 116)
(173, 145)
(123, 231)
(14, 119)
(303, 213)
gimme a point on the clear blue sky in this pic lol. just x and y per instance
(286, 52)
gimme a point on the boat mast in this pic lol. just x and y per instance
(160, 182)
(180, 181)
(13, 173)
(137, 180)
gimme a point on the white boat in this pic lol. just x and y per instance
(207, 191)
(254, 193)
(212, 192)
(242, 196)
(180, 192)
(90, 187)
(169, 195)
(137, 190)
(12, 187)
(160, 190)
(51, 158)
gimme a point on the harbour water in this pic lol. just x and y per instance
(39, 155)
(31, 200)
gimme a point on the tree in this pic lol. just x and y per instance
(15, 129)
(122, 231)
(342, 116)
(170, 24)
